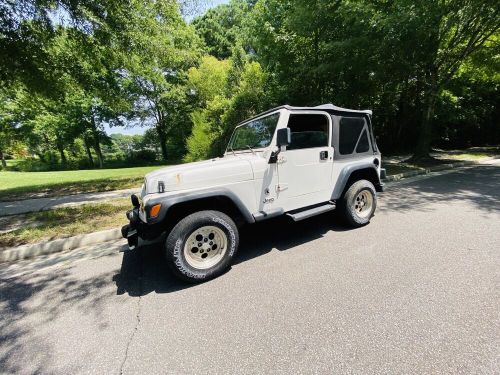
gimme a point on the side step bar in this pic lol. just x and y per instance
(305, 214)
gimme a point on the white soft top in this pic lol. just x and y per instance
(331, 107)
(323, 107)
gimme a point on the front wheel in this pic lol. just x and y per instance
(201, 246)
(359, 203)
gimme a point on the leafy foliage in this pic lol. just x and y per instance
(396, 57)
(429, 70)
(229, 91)
(221, 27)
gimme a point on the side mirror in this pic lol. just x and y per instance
(283, 137)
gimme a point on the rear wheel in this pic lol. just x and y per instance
(201, 246)
(359, 203)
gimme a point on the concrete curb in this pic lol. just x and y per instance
(442, 167)
(63, 244)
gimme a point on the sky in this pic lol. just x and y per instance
(217, 2)
(141, 130)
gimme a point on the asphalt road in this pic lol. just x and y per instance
(416, 291)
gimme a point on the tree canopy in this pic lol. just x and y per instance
(429, 70)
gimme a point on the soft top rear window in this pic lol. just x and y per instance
(349, 133)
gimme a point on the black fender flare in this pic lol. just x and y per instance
(167, 202)
(347, 172)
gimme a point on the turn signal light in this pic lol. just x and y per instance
(155, 210)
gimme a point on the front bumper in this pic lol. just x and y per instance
(131, 230)
(137, 228)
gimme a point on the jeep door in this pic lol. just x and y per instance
(305, 166)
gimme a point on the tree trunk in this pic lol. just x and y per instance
(87, 149)
(424, 140)
(2, 156)
(41, 156)
(163, 141)
(401, 115)
(318, 93)
(49, 148)
(97, 143)
(97, 148)
(63, 155)
(60, 148)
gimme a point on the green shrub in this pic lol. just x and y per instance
(147, 156)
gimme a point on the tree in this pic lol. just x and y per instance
(209, 83)
(156, 84)
(221, 27)
(67, 68)
(74, 88)
(458, 29)
(7, 127)
(396, 57)
(28, 26)
(228, 92)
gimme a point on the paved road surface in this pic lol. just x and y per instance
(416, 291)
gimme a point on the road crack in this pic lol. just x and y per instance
(137, 316)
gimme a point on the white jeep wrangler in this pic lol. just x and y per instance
(289, 160)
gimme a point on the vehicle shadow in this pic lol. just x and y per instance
(146, 271)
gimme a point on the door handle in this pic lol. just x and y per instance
(323, 155)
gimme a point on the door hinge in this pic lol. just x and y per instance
(281, 187)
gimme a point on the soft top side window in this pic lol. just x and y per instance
(353, 136)
(363, 144)
(308, 131)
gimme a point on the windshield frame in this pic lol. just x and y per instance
(246, 123)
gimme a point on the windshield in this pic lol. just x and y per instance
(256, 134)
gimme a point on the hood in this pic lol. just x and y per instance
(203, 174)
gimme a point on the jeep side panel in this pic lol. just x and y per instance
(355, 150)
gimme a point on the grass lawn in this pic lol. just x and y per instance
(23, 185)
(472, 153)
(439, 157)
(468, 156)
(392, 169)
(62, 222)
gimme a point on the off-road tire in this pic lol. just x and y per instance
(179, 235)
(348, 203)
